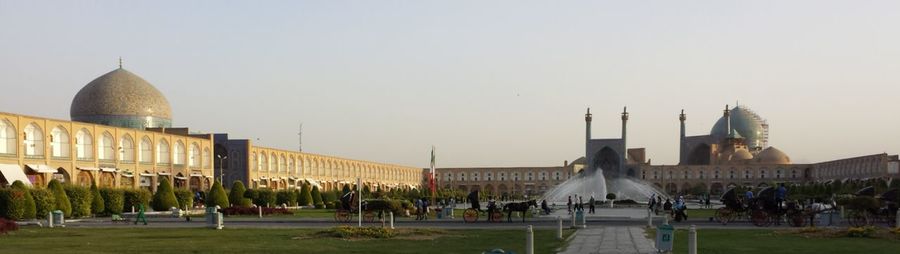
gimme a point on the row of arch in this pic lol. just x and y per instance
(144, 180)
(59, 144)
(502, 176)
(713, 188)
(733, 173)
(301, 164)
(504, 189)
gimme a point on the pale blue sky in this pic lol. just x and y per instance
(490, 83)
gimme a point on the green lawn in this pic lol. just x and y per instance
(155, 240)
(736, 241)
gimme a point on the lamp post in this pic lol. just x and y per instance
(221, 166)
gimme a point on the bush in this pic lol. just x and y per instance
(385, 206)
(164, 198)
(319, 206)
(29, 209)
(330, 196)
(288, 197)
(862, 232)
(356, 232)
(98, 206)
(80, 198)
(610, 196)
(317, 197)
(305, 197)
(12, 203)
(185, 198)
(113, 200)
(135, 197)
(236, 197)
(44, 202)
(217, 196)
(264, 197)
(62, 200)
(331, 205)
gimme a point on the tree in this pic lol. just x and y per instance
(98, 206)
(305, 198)
(164, 198)
(236, 197)
(59, 194)
(316, 196)
(30, 210)
(217, 196)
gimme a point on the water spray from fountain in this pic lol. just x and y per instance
(594, 184)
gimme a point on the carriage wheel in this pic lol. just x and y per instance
(760, 218)
(797, 219)
(369, 216)
(859, 219)
(497, 216)
(724, 215)
(342, 216)
(470, 215)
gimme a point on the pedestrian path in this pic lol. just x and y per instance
(616, 240)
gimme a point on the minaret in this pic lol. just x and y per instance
(728, 120)
(682, 145)
(587, 134)
(624, 136)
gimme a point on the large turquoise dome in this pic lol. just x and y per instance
(121, 98)
(746, 123)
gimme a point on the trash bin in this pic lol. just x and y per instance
(665, 237)
(59, 218)
(211, 215)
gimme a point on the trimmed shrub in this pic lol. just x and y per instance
(135, 197)
(305, 197)
(236, 196)
(98, 206)
(330, 196)
(217, 196)
(62, 200)
(113, 200)
(80, 197)
(185, 198)
(264, 198)
(12, 203)
(44, 202)
(234, 210)
(29, 209)
(317, 198)
(164, 198)
(288, 197)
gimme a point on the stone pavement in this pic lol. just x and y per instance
(617, 240)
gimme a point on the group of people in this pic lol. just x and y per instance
(579, 206)
(421, 209)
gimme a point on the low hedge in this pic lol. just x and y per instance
(264, 198)
(185, 198)
(234, 210)
(80, 197)
(384, 205)
(288, 197)
(44, 202)
(135, 197)
(113, 200)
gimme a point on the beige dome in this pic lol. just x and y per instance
(772, 155)
(742, 154)
(121, 98)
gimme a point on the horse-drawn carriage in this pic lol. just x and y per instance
(763, 209)
(866, 208)
(494, 212)
(344, 213)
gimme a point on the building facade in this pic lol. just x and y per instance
(506, 181)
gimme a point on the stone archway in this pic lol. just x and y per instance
(195, 183)
(716, 189)
(61, 175)
(608, 161)
(107, 179)
(672, 188)
(85, 178)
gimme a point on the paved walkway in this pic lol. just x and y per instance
(617, 240)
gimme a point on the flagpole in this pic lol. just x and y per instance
(431, 177)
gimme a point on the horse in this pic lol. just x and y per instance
(518, 207)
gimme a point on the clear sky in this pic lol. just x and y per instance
(490, 83)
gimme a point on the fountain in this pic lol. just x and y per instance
(586, 184)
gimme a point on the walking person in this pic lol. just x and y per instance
(140, 215)
(580, 204)
(591, 205)
(569, 205)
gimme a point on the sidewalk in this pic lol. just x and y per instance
(618, 240)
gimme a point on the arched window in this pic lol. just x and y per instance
(502, 176)
(273, 163)
(206, 157)
(194, 160)
(282, 164)
(162, 152)
(7, 138)
(254, 161)
(84, 145)
(59, 143)
(106, 150)
(178, 153)
(126, 153)
(146, 155)
(762, 174)
(34, 141)
(263, 162)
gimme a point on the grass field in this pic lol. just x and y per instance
(733, 241)
(170, 241)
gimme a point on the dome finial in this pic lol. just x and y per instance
(120, 62)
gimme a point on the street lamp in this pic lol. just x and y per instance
(221, 166)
